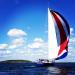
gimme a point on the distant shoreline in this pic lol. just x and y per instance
(24, 61)
(30, 63)
(15, 61)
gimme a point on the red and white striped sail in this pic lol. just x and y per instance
(58, 35)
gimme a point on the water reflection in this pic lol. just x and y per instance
(54, 70)
(63, 71)
(40, 71)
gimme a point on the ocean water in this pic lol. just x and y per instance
(22, 69)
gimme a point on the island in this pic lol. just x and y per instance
(15, 61)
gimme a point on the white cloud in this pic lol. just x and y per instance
(3, 46)
(72, 40)
(12, 46)
(17, 43)
(38, 40)
(8, 51)
(71, 31)
(37, 43)
(16, 32)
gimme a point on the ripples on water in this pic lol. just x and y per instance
(40, 71)
(53, 70)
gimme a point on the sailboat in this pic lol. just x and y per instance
(58, 38)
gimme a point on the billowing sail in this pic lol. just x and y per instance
(58, 35)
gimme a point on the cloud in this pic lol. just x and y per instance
(72, 37)
(37, 43)
(3, 46)
(38, 40)
(18, 38)
(16, 33)
(72, 40)
(71, 31)
(71, 46)
(17, 43)
(8, 51)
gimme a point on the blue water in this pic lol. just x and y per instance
(22, 69)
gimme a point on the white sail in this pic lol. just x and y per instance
(52, 40)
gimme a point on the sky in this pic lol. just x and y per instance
(23, 28)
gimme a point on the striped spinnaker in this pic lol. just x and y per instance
(62, 33)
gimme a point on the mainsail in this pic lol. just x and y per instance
(58, 35)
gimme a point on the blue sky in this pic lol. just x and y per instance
(23, 14)
(28, 19)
